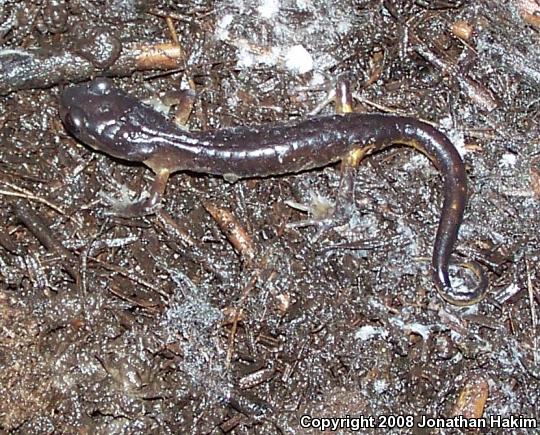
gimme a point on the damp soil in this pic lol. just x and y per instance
(169, 324)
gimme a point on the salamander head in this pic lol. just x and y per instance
(106, 119)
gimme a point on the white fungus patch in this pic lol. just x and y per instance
(298, 60)
(380, 386)
(456, 136)
(508, 160)
(368, 332)
(222, 32)
(297, 35)
(268, 8)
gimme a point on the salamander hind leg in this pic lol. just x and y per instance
(335, 214)
(319, 209)
(324, 213)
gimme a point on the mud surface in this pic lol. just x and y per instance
(159, 325)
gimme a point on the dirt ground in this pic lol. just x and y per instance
(168, 324)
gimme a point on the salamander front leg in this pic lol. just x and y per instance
(148, 203)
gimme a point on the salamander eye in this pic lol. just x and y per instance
(74, 121)
(100, 86)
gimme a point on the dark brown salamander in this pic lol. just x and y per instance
(111, 121)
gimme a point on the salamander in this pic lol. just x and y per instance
(111, 121)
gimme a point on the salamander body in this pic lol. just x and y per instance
(109, 120)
